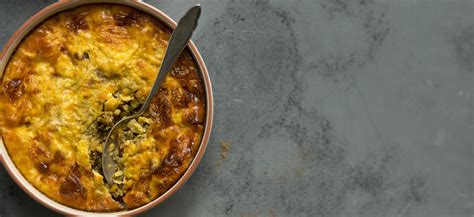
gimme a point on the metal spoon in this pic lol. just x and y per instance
(178, 41)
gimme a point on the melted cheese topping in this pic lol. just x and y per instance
(71, 72)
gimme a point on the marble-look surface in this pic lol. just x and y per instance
(329, 108)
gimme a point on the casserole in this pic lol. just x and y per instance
(60, 7)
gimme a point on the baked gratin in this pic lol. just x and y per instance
(71, 79)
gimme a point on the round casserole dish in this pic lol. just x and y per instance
(61, 6)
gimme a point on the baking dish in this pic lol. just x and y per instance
(67, 5)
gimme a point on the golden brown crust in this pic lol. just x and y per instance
(62, 79)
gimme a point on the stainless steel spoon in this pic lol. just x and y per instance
(178, 41)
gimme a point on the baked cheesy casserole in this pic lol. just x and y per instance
(71, 79)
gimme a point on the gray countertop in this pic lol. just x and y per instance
(323, 108)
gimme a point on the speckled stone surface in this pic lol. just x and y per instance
(323, 108)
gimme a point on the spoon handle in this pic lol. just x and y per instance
(179, 39)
